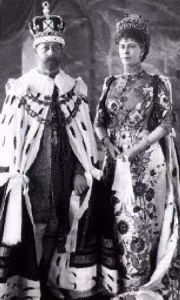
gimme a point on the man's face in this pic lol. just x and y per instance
(49, 54)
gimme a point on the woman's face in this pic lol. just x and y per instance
(130, 52)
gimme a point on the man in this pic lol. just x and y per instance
(47, 158)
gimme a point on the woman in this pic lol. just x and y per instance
(137, 205)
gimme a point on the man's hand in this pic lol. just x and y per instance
(113, 150)
(80, 184)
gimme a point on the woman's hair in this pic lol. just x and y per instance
(138, 36)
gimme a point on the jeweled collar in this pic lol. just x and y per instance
(132, 70)
(133, 76)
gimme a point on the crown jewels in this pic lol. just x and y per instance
(47, 28)
(132, 22)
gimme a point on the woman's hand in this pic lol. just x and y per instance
(137, 148)
(130, 153)
(80, 184)
(113, 150)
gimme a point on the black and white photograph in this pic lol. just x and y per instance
(89, 150)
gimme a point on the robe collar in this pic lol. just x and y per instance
(43, 84)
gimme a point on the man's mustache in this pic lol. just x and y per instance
(52, 59)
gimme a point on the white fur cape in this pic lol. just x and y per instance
(21, 130)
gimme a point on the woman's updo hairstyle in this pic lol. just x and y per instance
(134, 27)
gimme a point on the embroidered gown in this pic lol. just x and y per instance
(129, 238)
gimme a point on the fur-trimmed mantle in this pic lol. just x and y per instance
(21, 128)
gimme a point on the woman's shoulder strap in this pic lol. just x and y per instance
(107, 84)
(109, 80)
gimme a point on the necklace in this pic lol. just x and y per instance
(126, 80)
(132, 70)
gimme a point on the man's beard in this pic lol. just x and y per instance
(52, 63)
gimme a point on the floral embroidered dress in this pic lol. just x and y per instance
(130, 226)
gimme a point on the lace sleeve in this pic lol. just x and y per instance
(162, 109)
(102, 117)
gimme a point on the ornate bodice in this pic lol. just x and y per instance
(125, 107)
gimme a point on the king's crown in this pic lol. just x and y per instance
(47, 27)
